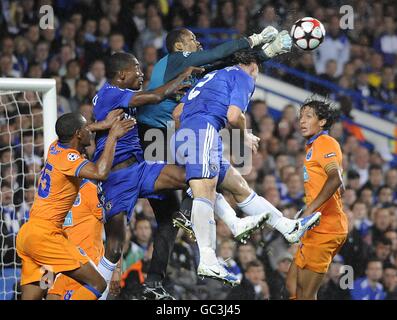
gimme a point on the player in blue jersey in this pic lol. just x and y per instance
(131, 177)
(222, 97)
(183, 50)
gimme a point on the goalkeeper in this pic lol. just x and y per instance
(184, 50)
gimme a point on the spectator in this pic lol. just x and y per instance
(387, 42)
(226, 252)
(82, 95)
(277, 279)
(390, 282)
(253, 286)
(331, 289)
(369, 287)
(335, 46)
(142, 238)
(96, 74)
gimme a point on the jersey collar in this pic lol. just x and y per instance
(311, 140)
(62, 146)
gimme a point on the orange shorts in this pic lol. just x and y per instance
(317, 250)
(64, 287)
(45, 251)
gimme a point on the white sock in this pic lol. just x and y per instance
(255, 205)
(204, 228)
(105, 294)
(106, 268)
(225, 212)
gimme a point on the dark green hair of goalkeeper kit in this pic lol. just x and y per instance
(323, 110)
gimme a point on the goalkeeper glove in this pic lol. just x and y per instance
(267, 35)
(281, 44)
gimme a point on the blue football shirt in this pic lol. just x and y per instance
(211, 97)
(107, 99)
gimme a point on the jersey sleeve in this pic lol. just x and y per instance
(241, 90)
(181, 60)
(70, 162)
(327, 151)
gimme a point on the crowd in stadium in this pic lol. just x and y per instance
(74, 54)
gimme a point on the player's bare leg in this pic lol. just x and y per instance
(291, 281)
(308, 284)
(171, 177)
(92, 281)
(32, 291)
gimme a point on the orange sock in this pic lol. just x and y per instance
(86, 292)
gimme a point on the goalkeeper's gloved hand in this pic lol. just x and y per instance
(267, 35)
(281, 44)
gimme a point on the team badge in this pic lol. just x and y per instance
(186, 53)
(108, 205)
(77, 201)
(82, 251)
(309, 154)
(73, 156)
(213, 168)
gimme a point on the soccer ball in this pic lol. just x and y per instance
(307, 33)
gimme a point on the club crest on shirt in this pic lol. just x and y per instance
(309, 154)
(108, 205)
(73, 156)
(77, 201)
(186, 53)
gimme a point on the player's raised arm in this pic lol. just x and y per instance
(108, 122)
(159, 94)
(100, 170)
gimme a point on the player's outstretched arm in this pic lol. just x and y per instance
(333, 182)
(176, 114)
(160, 93)
(108, 122)
(204, 57)
(100, 170)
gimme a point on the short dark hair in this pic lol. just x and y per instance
(246, 56)
(323, 110)
(173, 37)
(385, 241)
(353, 174)
(67, 125)
(375, 167)
(118, 62)
(254, 264)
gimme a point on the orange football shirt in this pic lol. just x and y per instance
(321, 151)
(58, 184)
(83, 224)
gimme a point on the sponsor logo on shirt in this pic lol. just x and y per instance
(68, 219)
(330, 155)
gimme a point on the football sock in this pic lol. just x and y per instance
(204, 228)
(255, 205)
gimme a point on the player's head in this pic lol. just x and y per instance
(182, 39)
(124, 71)
(316, 116)
(248, 60)
(72, 126)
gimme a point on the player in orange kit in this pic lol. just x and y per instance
(84, 227)
(322, 175)
(41, 243)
